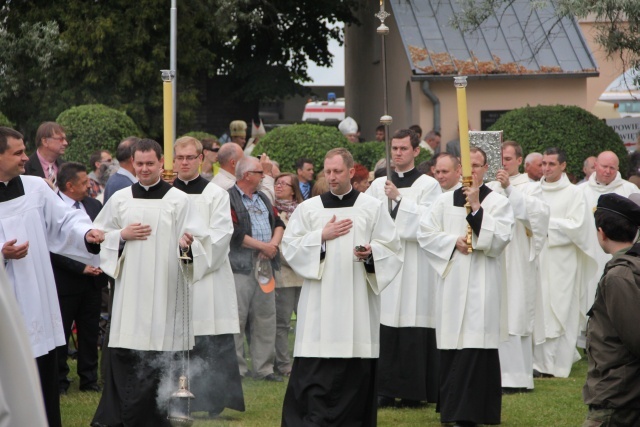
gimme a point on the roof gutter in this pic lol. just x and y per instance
(432, 77)
(436, 104)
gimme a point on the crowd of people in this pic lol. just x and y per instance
(408, 289)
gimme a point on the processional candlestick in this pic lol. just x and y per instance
(460, 82)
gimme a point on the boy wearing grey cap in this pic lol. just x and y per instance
(612, 390)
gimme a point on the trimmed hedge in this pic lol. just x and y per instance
(576, 131)
(94, 127)
(287, 144)
(4, 121)
(200, 135)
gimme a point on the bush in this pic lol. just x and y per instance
(287, 144)
(200, 135)
(4, 121)
(576, 131)
(94, 127)
(368, 153)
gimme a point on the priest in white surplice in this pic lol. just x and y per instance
(409, 359)
(33, 222)
(470, 318)
(524, 295)
(606, 179)
(216, 383)
(567, 263)
(333, 379)
(147, 226)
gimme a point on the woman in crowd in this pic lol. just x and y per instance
(288, 285)
(360, 180)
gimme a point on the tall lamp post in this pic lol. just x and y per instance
(386, 119)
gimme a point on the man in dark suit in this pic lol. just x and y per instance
(51, 143)
(79, 286)
(304, 169)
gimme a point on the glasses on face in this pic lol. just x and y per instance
(187, 158)
(282, 183)
(260, 172)
(477, 166)
(215, 150)
(59, 138)
(106, 161)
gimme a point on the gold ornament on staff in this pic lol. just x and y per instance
(386, 119)
(460, 82)
(167, 110)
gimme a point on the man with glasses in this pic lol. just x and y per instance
(215, 305)
(257, 232)
(51, 143)
(469, 322)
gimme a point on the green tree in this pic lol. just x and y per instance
(114, 50)
(29, 71)
(617, 22)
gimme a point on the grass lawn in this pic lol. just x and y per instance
(554, 402)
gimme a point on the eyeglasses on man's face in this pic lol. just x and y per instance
(259, 172)
(59, 138)
(187, 158)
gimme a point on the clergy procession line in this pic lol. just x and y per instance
(395, 307)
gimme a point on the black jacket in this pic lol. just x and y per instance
(67, 272)
(33, 166)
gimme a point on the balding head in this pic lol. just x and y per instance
(447, 171)
(228, 156)
(606, 167)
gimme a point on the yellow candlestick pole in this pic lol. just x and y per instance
(460, 82)
(167, 104)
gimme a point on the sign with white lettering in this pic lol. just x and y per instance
(627, 129)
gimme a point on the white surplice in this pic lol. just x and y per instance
(409, 300)
(567, 263)
(215, 304)
(21, 401)
(592, 191)
(41, 218)
(148, 300)
(524, 294)
(470, 294)
(339, 308)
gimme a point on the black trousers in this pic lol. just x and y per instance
(48, 370)
(331, 392)
(84, 308)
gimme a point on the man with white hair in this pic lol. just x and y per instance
(605, 180)
(229, 156)
(349, 129)
(257, 232)
(533, 166)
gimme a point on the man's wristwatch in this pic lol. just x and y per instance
(397, 199)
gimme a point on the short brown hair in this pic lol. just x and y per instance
(342, 152)
(47, 130)
(516, 147)
(479, 150)
(5, 134)
(188, 140)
